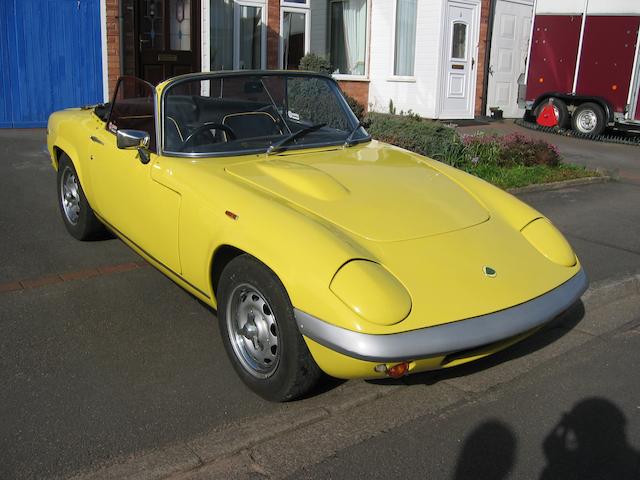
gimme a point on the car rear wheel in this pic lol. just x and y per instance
(260, 333)
(76, 213)
(588, 119)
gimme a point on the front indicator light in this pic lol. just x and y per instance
(548, 240)
(397, 371)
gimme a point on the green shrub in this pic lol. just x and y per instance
(511, 150)
(356, 106)
(315, 63)
(425, 137)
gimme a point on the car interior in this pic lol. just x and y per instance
(194, 120)
(240, 115)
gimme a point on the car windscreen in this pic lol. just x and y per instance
(248, 113)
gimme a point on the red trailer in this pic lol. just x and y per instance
(583, 68)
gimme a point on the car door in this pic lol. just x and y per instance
(126, 195)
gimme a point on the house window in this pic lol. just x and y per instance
(459, 41)
(237, 36)
(180, 24)
(294, 33)
(222, 20)
(250, 41)
(405, 42)
(348, 27)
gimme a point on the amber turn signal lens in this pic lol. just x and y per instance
(398, 370)
(541, 80)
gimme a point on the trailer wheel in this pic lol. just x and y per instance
(588, 118)
(559, 108)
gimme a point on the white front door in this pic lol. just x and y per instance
(459, 67)
(509, 50)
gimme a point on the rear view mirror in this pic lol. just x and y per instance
(134, 140)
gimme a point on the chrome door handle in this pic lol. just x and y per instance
(96, 140)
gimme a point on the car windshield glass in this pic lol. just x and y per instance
(248, 113)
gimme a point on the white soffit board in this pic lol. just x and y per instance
(595, 7)
(613, 7)
(556, 7)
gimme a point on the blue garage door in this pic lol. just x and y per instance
(50, 58)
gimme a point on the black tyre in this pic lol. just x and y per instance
(77, 215)
(260, 333)
(588, 119)
(560, 109)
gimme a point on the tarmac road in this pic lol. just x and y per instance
(102, 357)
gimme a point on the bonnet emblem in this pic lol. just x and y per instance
(489, 272)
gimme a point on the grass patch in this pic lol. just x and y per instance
(508, 161)
(521, 175)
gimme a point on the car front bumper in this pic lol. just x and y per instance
(448, 338)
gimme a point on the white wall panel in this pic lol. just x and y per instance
(420, 94)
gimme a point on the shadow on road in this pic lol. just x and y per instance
(488, 452)
(589, 442)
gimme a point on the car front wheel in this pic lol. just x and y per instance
(260, 333)
(76, 213)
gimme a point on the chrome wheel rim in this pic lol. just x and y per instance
(70, 195)
(587, 121)
(253, 331)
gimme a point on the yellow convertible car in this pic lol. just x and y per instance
(321, 249)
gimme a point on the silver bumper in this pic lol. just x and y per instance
(447, 338)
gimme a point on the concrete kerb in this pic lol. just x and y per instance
(608, 291)
(541, 187)
(200, 454)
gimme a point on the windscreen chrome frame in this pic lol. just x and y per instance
(254, 151)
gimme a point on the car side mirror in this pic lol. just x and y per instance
(134, 140)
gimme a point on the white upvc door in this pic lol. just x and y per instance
(508, 59)
(459, 60)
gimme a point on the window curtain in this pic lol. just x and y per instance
(221, 34)
(406, 13)
(354, 17)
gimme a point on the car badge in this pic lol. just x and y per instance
(489, 272)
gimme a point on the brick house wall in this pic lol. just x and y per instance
(482, 51)
(357, 89)
(113, 43)
(273, 34)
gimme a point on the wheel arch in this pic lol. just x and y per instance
(61, 147)
(219, 260)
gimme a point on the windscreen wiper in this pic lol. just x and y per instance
(278, 146)
(348, 142)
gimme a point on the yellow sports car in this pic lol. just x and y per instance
(262, 195)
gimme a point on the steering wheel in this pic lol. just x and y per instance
(205, 127)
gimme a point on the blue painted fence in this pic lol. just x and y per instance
(50, 58)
